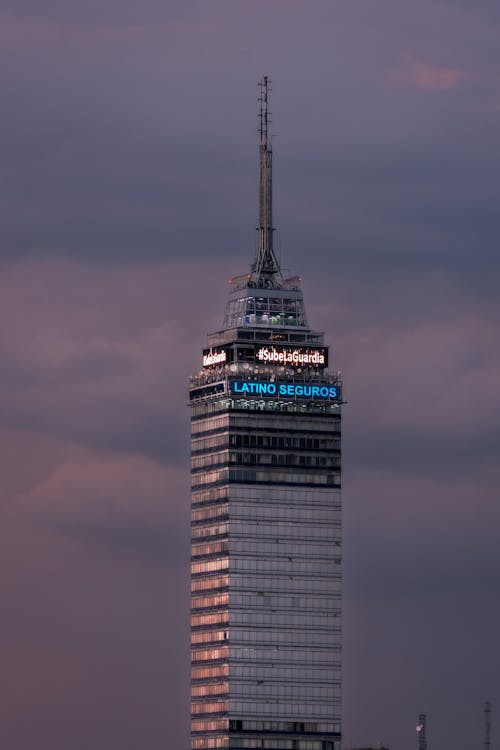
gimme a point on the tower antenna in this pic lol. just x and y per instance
(487, 725)
(266, 264)
(422, 732)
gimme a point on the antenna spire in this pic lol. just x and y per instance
(487, 725)
(265, 263)
(422, 732)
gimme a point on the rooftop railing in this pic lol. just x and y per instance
(248, 281)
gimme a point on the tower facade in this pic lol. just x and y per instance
(266, 515)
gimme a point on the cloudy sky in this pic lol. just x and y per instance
(128, 150)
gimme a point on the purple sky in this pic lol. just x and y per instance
(128, 150)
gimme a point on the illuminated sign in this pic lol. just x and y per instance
(292, 390)
(214, 357)
(292, 356)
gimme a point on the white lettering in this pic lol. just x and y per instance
(214, 358)
(291, 356)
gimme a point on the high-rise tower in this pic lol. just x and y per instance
(266, 525)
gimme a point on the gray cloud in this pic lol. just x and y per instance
(128, 153)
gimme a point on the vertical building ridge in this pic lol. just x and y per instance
(266, 515)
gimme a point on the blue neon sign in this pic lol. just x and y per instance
(292, 390)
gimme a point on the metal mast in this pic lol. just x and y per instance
(487, 725)
(266, 264)
(422, 732)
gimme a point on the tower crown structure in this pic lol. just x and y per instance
(265, 297)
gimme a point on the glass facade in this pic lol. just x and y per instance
(265, 560)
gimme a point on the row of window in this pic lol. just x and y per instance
(265, 586)
(248, 601)
(211, 654)
(217, 618)
(210, 477)
(201, 426)
(267, 512)
(268, 633)
(312, 620)
(214, 494)
(207, 602)
(237, 743)
(297, 674)
(209, 548)
(249, 528)
(287, 709)
(209, 408)
(276, 547)
(284, 459)
(213, 688)
(210, 566)
(208, 584)
(267, 440)
(303, 507)
(291, 566)
(286, 529)
(210, 673)
(209, 725)
(222, 458)
(295, 638)
(304, 423)
(209, 442)
(301, 675)
(276, 495)
(261, 305)
(207, 513)
(208, 636)
(283, 477)
(308, 654)
(208, 707)
(265, 690)
(249, 440)
(245, 725)
(209, 743)
(210, 459)
(309, 495)
(271, 547)
(218, 529)
(305, 709)
(283, 407)
(243, 743)
(222, 476)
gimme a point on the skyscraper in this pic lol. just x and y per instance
(266, 523)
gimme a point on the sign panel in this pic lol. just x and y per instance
(269, 354)
(284, 389)
(214, 357)
(293, 355)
